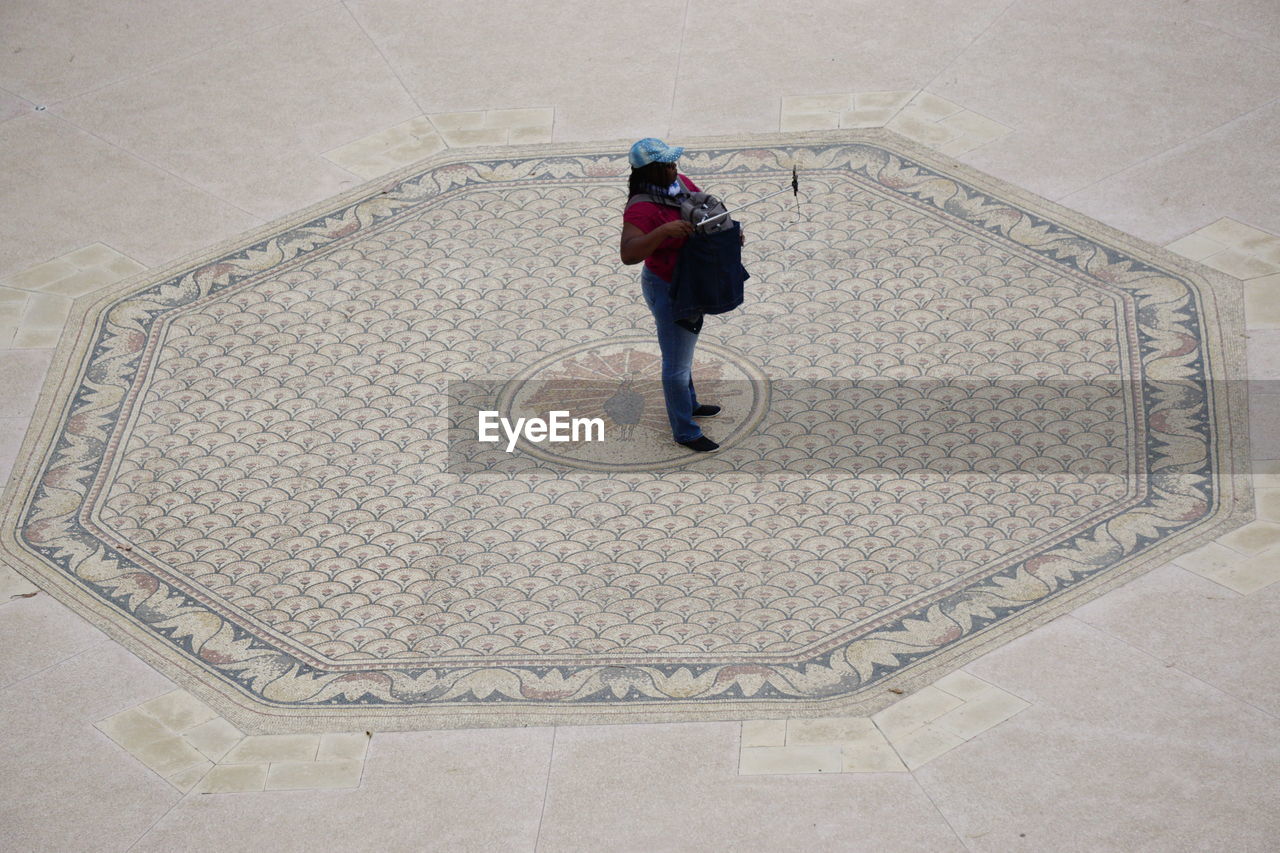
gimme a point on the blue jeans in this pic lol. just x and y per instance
(677, 345)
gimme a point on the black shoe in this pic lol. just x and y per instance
(706, 411)
(701, 444)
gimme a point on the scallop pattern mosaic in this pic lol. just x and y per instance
(948, 415)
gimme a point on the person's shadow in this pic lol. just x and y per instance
(625, 407)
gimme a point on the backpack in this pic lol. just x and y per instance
(695, 208)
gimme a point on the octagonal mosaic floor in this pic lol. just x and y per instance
(952, 410)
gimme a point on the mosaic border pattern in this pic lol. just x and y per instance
(1186, 325)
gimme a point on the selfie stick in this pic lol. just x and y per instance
(795, 190)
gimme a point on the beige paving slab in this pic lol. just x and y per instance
(1268, 504)
(43, 311)
(827, 47)
(1208, 559)
(1253, 20)
(513, 119)
(863, 748)
(927, 105)
(1265, 471)
(309, 775)
(964, 685)
(923, 130)
(1262, 302)
(923, 744)
(169, 755)
(1186, 74)
(877, 117)
(75, 189)
(882, 100)
(703, 804)
(1252, 538)
(530, 135)
(764, 733)
(178, 710)
(39, 337)
(1234, 234)
(1113, 115)
(829, 730)
(807, 104)
(593, 87)
(345, 746)
(186, 779)
(875, 109)
(76, 273)
(426, 135)
(871, 754)
(387, 150)
(1195, 246)
(38, 632)
(134, 729)
(233, 779)
(42, 275)
(922, 116)
(22, 374)
(1056, 161)
(458, 790)
(1111, 756)
(809, 121)
(12, 431)
(11, 300)
(269, 104)
(1264, 428)
(958, 146)
(465, 120)
(64, 48)
(1240, 264)
(105, 797)
(12, 106)
(255, 749)
(495, 127)
(970, 124)
(479, 136)
(14, 586)
(979, 713)
(1172, 194)
(915, 730)
(1252, 573)
(89, 280)
(923, 706)
(1263, 351)
(213, 738)
(756, 760)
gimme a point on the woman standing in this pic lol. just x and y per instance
(654, 233)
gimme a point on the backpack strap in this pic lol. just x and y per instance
(646, 197)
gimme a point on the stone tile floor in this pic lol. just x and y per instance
(1146, 720)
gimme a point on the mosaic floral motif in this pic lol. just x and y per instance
(949, 414)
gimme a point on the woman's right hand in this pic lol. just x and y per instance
(677, 229)
(637, 245)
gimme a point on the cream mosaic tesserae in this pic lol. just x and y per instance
(952, 411)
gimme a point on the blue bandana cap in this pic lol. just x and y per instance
(652, 150)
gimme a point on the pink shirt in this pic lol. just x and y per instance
(647, 216)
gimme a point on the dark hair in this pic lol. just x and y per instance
(645, 178)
